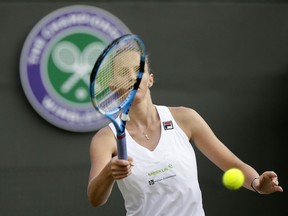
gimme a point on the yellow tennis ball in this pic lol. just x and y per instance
(233, 179)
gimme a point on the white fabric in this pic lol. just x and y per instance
(163, 181)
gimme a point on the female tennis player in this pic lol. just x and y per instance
(161, 160)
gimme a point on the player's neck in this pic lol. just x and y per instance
(143, 116)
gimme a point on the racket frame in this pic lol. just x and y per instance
(126, 104)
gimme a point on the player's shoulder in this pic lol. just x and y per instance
(182, 112)
(103, 139)
(103, 135)
(185, 118)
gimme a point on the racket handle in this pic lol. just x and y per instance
(122, 147)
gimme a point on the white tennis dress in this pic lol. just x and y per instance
(164, 182)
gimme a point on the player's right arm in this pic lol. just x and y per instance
(102, 149)
(105, 167)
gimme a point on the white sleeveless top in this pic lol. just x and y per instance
(164, 182)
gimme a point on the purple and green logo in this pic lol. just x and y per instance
(56, 60)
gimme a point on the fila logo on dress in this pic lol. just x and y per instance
(168, 125)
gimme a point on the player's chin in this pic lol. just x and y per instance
(138, 93)
(138, 97)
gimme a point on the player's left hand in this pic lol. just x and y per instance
(267, 183)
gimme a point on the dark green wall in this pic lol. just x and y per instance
(227, 60)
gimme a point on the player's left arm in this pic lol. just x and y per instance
(199, 133)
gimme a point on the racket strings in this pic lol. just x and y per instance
(117, 75)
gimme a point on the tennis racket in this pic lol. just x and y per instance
(114, 81)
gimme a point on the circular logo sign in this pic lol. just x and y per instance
(56, 60)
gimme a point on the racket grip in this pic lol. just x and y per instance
(122, 147)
